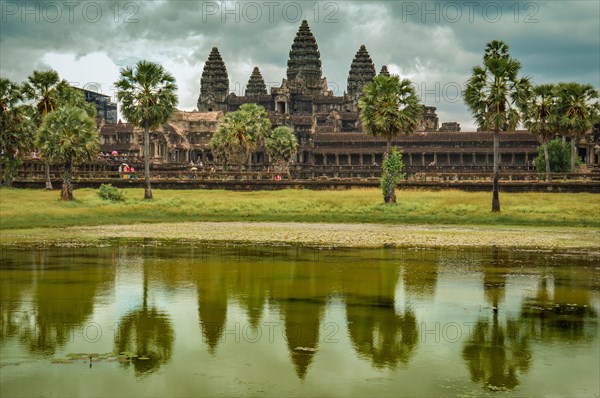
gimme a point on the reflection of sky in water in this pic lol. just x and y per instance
(387, 322)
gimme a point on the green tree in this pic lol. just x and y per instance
(281, 144)
(558, 157)
(147, 93)
(389, 107)
(43, 88)
(494, 96)
(577, 112)
(17, 129)
(392, 174)
(540, 118)
(240, 134)
(68, 135)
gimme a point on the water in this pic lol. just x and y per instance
(288, 321)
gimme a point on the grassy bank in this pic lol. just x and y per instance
(23, 208)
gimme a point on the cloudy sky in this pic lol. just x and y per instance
(433, 43)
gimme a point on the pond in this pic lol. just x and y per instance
(154, 318)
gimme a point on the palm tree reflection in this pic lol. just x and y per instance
(496, 354)
(377, 331)
(146, 332)
(497, 351)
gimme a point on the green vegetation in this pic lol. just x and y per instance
(68, 135)
(577, 112)
(43, 88)
(17, 130)
(392, 170)
(240, 134)
(280, 145)
(558, 154)
(389, 107)
(148, 98)
(26, 208)
(540, 119)
(109, 192)
(495, 96)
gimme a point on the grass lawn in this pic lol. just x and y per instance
(28, 208)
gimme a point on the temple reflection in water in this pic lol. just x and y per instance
(383, 308)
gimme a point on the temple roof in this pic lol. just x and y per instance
(384, 71)
(256, 85)
(305, 59)
(214, 79)
(362, 71)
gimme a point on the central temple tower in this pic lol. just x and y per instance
(304, 64)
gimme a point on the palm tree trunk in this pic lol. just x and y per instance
(495, 188)
(547, 160)
(148, 190)
(66, 192)
(47, 172)
(574, 142)
(564, 141)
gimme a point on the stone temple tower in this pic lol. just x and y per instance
(214, 84)
(304, 72)
(256, 85)
(362, 71)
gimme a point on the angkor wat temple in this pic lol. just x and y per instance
(327, 126)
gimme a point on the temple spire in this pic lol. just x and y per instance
(305, 60)
(362, 71)
(214, 84)
(384, 71)
(256, 85)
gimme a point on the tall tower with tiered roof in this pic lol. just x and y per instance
(362, 71)
(304, 64)
(214, 84)
(256, 85)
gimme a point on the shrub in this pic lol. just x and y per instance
(108, 192)
(560, 157)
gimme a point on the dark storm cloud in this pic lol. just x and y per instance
(435, 43)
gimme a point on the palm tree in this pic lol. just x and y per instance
(17, 129)
(240, 133)
(577, 111)
(68, 135)
(147, 93)
(540, 118)
(389, 107)
(494, 95)
(281, 145)
(43, 88)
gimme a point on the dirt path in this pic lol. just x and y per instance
(338, 235)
